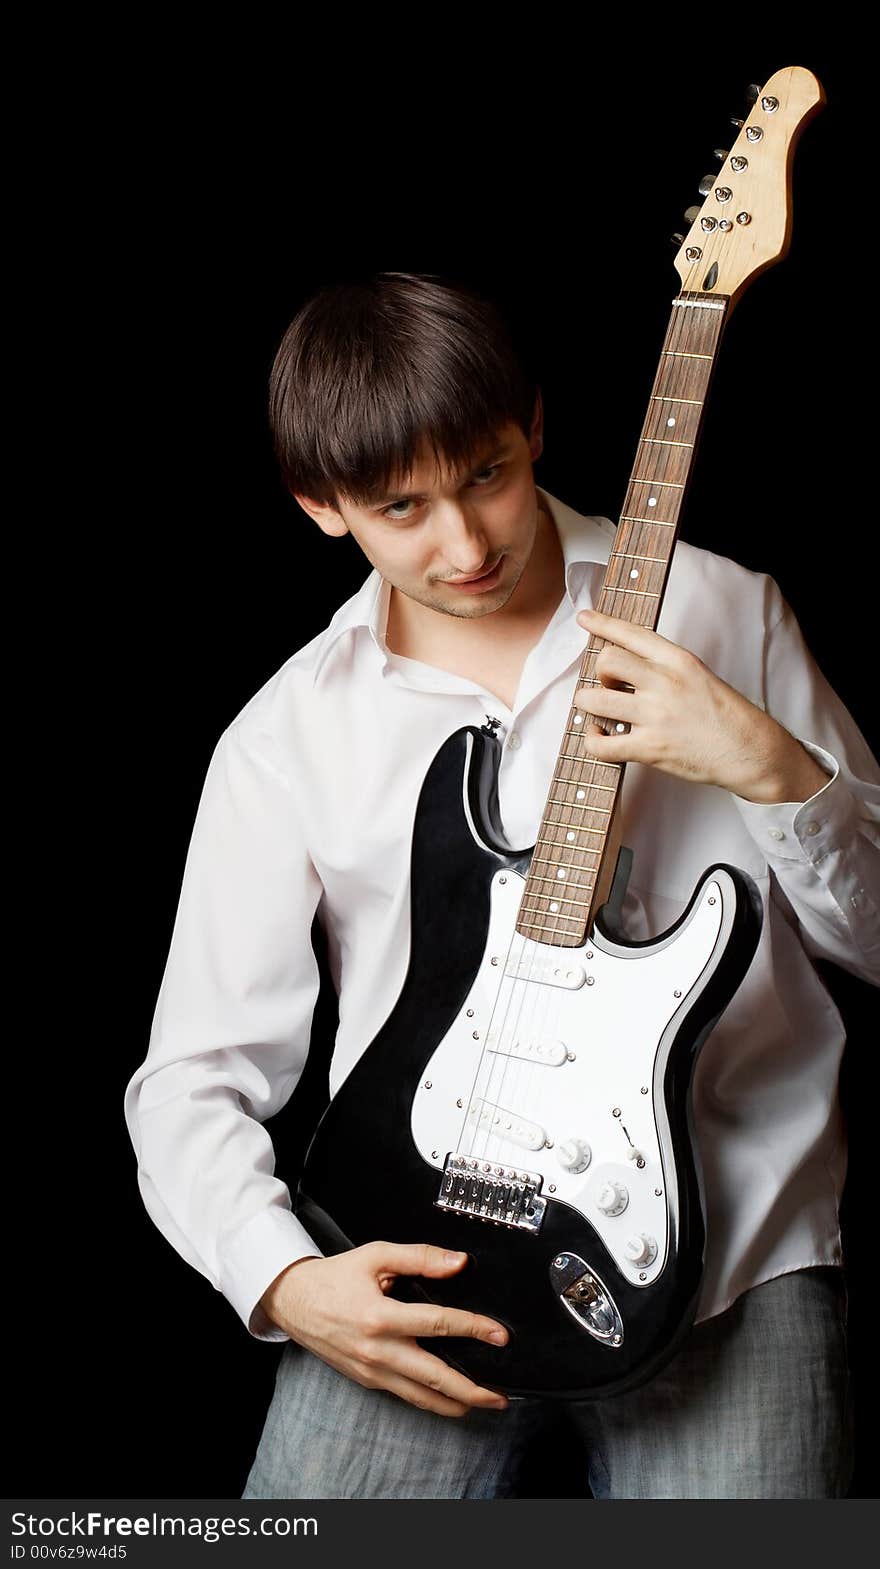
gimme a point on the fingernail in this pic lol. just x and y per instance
(498, 1337)
(454, 1258)
(500, 1405)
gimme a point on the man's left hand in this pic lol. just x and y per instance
(685, 720)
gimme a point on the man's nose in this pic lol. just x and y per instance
(463, 540)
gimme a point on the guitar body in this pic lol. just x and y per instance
(530, 1105)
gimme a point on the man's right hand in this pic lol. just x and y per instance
(338, 1308)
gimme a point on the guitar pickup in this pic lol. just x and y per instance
(507, 1125)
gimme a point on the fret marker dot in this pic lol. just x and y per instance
(580, 795)
(569, 836)
(578, 719)
(554, 907)
(652, 501)
(561, 872)
(671, 421)
(620, 728)
(634, 572)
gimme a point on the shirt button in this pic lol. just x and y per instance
(776, 833)
(812, 828)
(514, 740)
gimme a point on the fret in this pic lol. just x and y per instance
(628, 517)
(543, 926)
(687, 354)
(663, 441)
(574, 806)
(618, 588)
(551, 899)
(581, 828)
(630, 555)
(560, 898)
(604, 809)
(547, 860)
(665, 397)
(572, 757)
(671, 484)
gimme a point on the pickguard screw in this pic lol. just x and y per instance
(572, 1057)
(427, 1084)
(502, 881)
(642, 1275)
(640, 1162)
(616, 1340)
(591, 980)
(616, 1111)
(712, 900)
(553, 1187)
(589, 955)
(470, 1013)
(495, 961)
(676, 994)
(459, 1103)
(644, 1089)
(658, 1193)
(560, 1262)
(548, 1144)
(434, 1155)
(476, 1035)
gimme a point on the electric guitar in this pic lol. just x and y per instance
(528, 1099)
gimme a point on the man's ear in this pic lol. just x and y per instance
(325, 516)
(536, 435)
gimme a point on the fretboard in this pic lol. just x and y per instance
(569, 859)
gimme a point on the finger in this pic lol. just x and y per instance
(412, 1318)
(414, 1258)
(628, 634)
(426, 1399)
(609, 703)
(424, 1368)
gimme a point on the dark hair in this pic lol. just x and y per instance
(369, 370)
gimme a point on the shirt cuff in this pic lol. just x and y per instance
(270, 1241)
(803, 830)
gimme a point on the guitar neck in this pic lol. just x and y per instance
(571, 867)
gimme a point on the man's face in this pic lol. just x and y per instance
(434, 531)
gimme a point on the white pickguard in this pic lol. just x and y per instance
(571, 1054)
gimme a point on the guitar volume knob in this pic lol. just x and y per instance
(640, 1250)
(612, 1198)
(574, 1155)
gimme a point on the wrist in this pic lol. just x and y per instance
(787, 772)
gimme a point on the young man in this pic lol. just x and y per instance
(402, 415)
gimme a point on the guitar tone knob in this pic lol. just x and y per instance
(574, 1155)
(612, 1198)
(640, 1250)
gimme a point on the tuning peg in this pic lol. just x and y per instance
(752, 91)
(707, 184)
(738, 123)
(721, 153)
(691, 214)
(677, 240)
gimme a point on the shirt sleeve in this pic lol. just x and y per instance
(230, 1033)
(824, 853)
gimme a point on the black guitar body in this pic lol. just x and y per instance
(364, 1178)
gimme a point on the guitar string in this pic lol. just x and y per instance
(511, 1085)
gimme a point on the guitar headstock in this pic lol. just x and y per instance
(744, 224)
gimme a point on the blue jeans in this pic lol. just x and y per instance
(756, 1404)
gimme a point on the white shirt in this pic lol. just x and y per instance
(308, 805)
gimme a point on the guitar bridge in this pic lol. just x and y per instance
(504, 1195)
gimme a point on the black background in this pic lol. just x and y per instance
(192, 233)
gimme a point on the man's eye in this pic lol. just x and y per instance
(396, 517)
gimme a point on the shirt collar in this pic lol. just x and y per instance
(585, 539)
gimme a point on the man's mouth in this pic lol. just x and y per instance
(478, 580)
